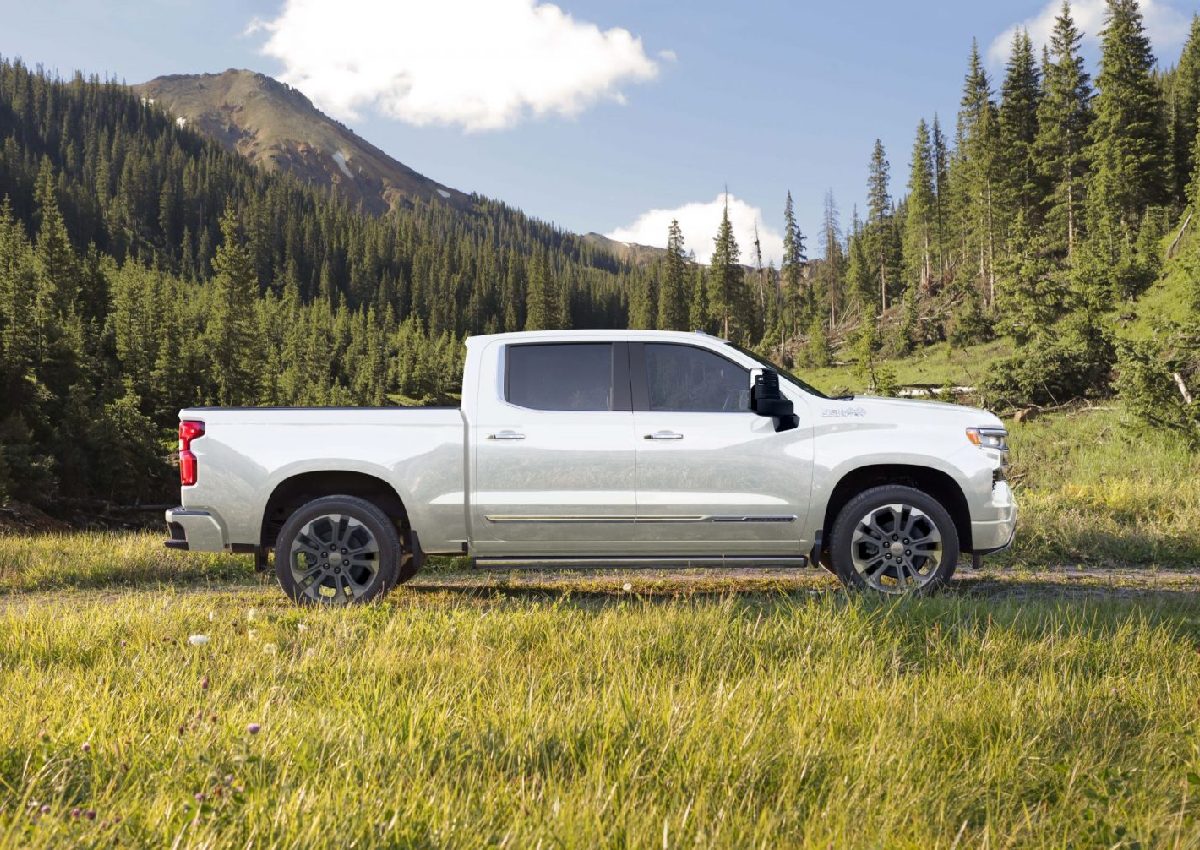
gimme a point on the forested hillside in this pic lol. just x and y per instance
(143, 267)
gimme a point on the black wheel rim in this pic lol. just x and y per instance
(334, 559)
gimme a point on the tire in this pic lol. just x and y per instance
(338, 550)
(894, 540)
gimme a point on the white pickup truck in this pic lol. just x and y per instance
(581, 449)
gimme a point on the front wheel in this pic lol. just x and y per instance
(894, 539)
(337, 550)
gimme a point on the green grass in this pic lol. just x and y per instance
(936, 364)
(447, 717)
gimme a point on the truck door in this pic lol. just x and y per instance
(554, 451)
(713, 477)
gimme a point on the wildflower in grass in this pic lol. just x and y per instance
(90, 814)
(204, 683)
(87, 747)
(254, 728)
(45, 809)
(252, 613)
(75, 812)
(627, 587)
(270, 648)
(198, 640)
(302, 627)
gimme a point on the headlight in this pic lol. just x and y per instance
(989, 438)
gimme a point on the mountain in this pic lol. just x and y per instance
(629, 252)
(276, 127)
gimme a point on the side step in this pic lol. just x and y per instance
(543, 562)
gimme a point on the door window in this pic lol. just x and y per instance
(685, 378)
(568, 376)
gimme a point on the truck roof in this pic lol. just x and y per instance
(597, 333)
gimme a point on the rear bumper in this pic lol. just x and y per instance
(995, 528)
(194, 530)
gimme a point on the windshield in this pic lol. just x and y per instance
(783, 373)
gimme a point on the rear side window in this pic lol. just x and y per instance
(684, 378)
(570, 376)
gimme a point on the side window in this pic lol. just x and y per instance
(683, 378)
(570, 376)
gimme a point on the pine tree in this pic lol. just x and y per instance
(541, 306)
(1128, 134)
(231, 327)
(1185, 113)
(726, 279)
(976, 161)
(831, 270)
(791, 267)
(919, 223)
(880, 227)
(672, 302)
(1021, 183)
(940, 155)
(1064, 121)
(699, 308)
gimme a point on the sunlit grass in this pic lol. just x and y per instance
(458, 719)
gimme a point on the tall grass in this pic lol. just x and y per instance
(452, 719)
(1093, 487)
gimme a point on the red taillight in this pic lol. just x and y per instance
(188, 431)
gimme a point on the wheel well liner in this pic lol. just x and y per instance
(292, 493)
(933, 482)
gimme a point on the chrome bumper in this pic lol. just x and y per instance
(194, 530)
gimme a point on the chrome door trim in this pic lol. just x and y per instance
(631, 518)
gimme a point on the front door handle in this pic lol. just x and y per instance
(506, 435)
(664, 435)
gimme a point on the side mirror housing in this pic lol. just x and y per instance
(766, 399)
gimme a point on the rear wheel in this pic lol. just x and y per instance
(894, 539)
(338, 550)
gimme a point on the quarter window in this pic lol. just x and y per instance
(685, 378)
(570, 376)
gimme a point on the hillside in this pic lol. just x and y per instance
(277, 127)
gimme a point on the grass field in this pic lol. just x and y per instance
(1049, 701)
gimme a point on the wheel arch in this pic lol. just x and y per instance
(933, 482)
(298, 490)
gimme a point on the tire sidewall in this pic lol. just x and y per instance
(370, 515)
(876, 497)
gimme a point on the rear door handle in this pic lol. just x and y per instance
(664, 435)
(506, 435)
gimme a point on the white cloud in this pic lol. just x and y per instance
(699, 222)
(477, 64)
(1166, 26)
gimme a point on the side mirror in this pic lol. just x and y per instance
(766, 399)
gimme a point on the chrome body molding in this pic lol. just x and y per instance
(635, 563)
(639, 518)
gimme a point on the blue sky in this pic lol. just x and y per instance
(592, 113)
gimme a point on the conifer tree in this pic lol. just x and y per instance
(1021, 181)
(791, 268)
(699, 309)
(976, 163)
(880, 227)
(672, 302)
(1185, 113)
(231, 334)
(540, 306)
(726, 279)
(831, 269)
(919, 222)
(1064, 121)
(1128, 135)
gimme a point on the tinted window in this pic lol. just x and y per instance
(679, 377)
(574, 376)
